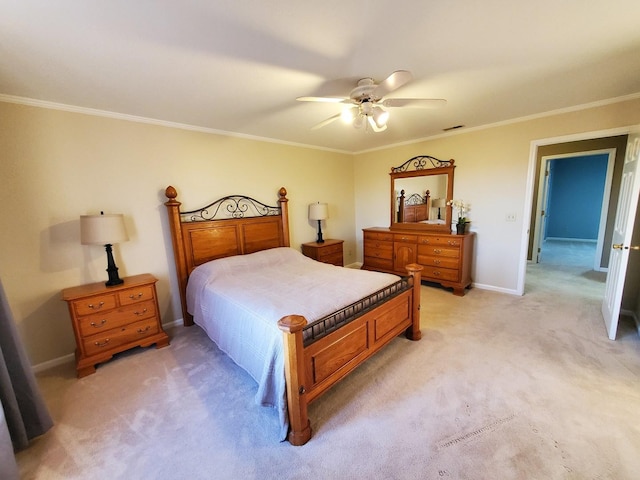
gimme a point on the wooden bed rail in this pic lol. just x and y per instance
(307, 377)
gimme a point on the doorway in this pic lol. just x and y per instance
(573, 186)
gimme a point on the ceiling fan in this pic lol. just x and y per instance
(366, 105)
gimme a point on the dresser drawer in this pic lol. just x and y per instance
(437, 251)
(378, 263)
(442, 262)
(445, 241)
(374, 248)
(384, 236)
(99, 303)
(117, 337)
(93, 324)
(402, 237)
(437, 274)
(138, 294)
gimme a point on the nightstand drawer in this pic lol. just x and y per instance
(93, 324)
(330, 250)
(110, 319)
(119, 336)
(95, 304)
(137, 294)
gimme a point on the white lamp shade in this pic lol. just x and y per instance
(318, 211)
(102, 229)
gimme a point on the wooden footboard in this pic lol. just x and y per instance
(311, 370)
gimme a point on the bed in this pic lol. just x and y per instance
(297, 326)
(416, 208)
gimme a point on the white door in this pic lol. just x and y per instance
(623, 229)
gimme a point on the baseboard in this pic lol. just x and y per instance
(492, 288)
(632, 314)
(41, 367)
(564, 239)
(356, 265)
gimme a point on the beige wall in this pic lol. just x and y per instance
(492, 173)
(57, 165)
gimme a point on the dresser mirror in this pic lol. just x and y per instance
(420, 189)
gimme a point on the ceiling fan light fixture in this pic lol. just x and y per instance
(349, 114)
(375, 126)
(380, 116)
(358, 122)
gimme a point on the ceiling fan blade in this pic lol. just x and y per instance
(323, 99)
(326, 122)
(414, 102)
(392, 82)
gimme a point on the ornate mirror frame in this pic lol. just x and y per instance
(422, 166)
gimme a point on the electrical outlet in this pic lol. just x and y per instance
(510, 217)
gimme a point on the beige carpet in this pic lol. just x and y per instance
(500, 387)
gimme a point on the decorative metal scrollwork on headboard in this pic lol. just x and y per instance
(420, 163)
(415, 199)
(232, 206)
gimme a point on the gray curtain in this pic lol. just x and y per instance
(24, 414)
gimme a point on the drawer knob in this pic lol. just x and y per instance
(437, 250)
(98, 325)
(436, 261)
(102, 344)
(132, 296)
(144, 310)
(96, 307)
(436, 273)
(144, 330)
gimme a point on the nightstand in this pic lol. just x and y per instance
(109, 320)
(328, 252)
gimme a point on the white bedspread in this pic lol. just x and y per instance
(239, 300)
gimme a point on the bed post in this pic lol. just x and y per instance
(400, 218)
(413, 332)
(299, 425)
(173, 208)
(284, 213)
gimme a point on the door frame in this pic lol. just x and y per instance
(543, 185)
(531, 179)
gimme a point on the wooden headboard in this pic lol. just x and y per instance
(231, 225)
(414, 208)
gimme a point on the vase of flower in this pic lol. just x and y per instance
(462, 226)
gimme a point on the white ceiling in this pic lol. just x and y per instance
(237, 65)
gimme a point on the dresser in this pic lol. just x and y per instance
(330, 251)
(109, 320)
(446, 258)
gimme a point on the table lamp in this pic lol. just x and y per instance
(439, 203)
(104, 230)
(319, 211)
